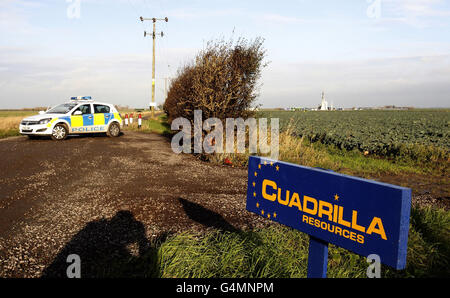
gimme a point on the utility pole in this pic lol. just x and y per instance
(153, 104)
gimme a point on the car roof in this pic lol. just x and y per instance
(89, 101)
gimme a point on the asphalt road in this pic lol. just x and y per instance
(54, 192)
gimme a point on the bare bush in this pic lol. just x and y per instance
(222, 81)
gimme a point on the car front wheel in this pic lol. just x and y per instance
(59, 132)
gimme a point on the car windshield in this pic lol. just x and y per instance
(61, 109)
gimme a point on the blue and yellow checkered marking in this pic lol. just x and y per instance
(67, 119)
(82, 123)
(92, 119)
(91, 122)
(76, 121)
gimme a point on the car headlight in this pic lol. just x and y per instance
(45, 121)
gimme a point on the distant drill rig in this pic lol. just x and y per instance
(324, 105)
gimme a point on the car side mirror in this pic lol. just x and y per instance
(41, 112)
(78, 113)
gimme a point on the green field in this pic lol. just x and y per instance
(17, 113)
(380, 132)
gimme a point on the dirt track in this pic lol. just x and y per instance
(50, 191)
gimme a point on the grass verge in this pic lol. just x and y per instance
(158, 125)
(6, 133)
(9, 123)
(10, 120)
(301, 151)
(281, 252)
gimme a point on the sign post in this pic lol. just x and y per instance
(317, 258)
(363, 216)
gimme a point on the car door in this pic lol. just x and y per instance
(102, 116)
(84, 122)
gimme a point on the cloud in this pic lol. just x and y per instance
(214, 13)
(15, 17)
(419, 75)
(203, 13)
(418, 13)
(278, 18)
(27, 80)
(417, 8)
(410, 81)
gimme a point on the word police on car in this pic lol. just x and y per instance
(79, 116)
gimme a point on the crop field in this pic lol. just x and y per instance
(17, 113)
(384, 133)
(10, 120)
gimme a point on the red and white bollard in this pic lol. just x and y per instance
(139, 120)
(131, 118)
(126, 119)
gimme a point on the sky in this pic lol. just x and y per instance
(359, 52)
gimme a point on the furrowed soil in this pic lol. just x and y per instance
(102, 194)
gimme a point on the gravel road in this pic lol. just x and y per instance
(54, 192)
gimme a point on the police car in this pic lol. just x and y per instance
(79, 116)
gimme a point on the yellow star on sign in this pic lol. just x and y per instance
(277, 167)
(259, 166)
(265, 162)
(257, 205)
(256, 174)
(271, 163)
(262, 212)
(254, 184)
(268, 215)
(274, 215)
(254, 194)
(336, 197)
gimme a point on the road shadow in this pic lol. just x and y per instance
(248, 239)
(91, 135)
(109, 248)
(206, 217)
(74, 136)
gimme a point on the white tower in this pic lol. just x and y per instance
(324, 104)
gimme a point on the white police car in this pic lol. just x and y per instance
(79, 116)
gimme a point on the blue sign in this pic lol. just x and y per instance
(363, 216)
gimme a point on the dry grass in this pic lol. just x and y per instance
(9, 123)
(294, 150)
(291, 149)
(9, 126)
(10, 120)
